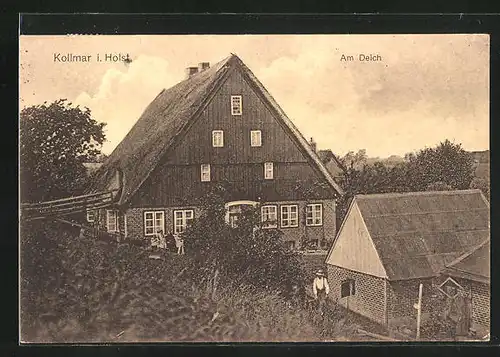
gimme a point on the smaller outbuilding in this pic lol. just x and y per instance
(389, 244)
(471, 273)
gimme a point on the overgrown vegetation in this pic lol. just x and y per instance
(83, 290)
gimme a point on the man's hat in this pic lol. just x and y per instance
(320, 272)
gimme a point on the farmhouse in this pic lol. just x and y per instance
(219, 126)
(390, 243)
(471, 272)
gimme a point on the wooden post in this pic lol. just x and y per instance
(419, 309)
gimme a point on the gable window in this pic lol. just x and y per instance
(90, 216)
(347, 288)
(269, 216)
(236, 105)
(289, 216)
(154, 221)
(314, 214)
(255, 138)
(268, 170)
(111, 221)
(217, 138)
(205, 172)
(182, 219)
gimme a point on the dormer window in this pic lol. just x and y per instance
(236, 105)
(217, 138)
(205, 172)
(255, 138)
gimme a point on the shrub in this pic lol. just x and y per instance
(245, 254)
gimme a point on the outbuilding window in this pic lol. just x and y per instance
(154, 221)
(347, 288)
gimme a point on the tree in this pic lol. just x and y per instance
(447, 163)
(55, 140)
(354, 160)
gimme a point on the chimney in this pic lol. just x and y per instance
(313, 144)
(203, 65)
(190, 71)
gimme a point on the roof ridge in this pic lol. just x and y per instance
(416, 193)
(468, 253)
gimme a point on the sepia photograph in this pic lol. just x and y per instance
(254, 188)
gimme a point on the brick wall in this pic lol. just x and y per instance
(481, 304)
(135, 221)
(325, 232)
(369, 297)
(402, 295)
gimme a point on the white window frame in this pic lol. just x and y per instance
(155, 217)
(257, 135)
(289, 222)
(181, 220)
(205, 172)
(111, 227)
(233, 210)
(268, 170)
(91, 214)
(265, 216)
(215, 142)
(311, 215)
(235, 98)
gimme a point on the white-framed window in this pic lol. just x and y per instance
(234, 210)
(255, 138)
(111, 220)
(182, 219)
(217, 138)
(90, 216)
(314, 214)
(268, 170)
(154, 221)
(289, 216)
(205, 172)
(236, 105)
(269, 216)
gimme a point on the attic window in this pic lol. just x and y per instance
(236, 105)
(268, 170)
(205, 172)
(255, 138)
(217, 138)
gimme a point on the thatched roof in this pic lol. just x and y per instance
(168, 117)
(417, 234)
(473, 265)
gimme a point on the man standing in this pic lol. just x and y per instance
(320, 289)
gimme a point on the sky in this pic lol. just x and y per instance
(423, 90)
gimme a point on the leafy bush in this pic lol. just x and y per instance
(245, 254)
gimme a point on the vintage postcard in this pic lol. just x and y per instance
(254, 188)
